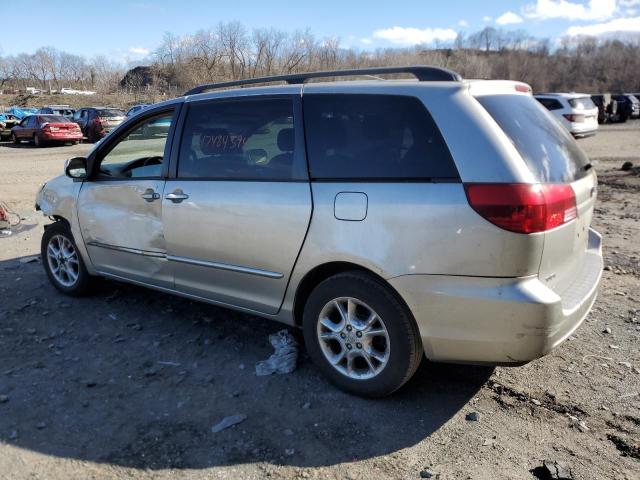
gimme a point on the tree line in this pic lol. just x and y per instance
(231, 51)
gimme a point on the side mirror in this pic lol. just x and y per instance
(76, 167)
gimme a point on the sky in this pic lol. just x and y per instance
(129, 31)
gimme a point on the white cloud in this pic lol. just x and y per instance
(509, 18)
(625, 25)
(414, 36)
(486, 19)
(366, 41)
(594, 10)
(139, 51)
(463, 23)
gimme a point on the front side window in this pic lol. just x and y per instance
(374, 137)
(247, 139)
(141, 152)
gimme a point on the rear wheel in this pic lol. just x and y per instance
(62, 261)
(361, 335)
(15, 139)
(37, 142)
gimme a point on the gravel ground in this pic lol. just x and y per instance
(129, 383)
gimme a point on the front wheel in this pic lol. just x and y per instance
(361, 335)
(62, 261)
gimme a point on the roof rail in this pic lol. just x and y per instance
(423, 73)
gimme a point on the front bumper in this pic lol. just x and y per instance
(499, 320)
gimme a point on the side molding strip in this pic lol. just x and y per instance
(192, 261)
(225, 266)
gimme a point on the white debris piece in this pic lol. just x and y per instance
(284, 359)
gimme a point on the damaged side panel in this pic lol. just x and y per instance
(123, 231)
(57, 198)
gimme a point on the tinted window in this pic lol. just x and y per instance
(110, 113)
(141, 152)
(373, 137)
(582, 103)
(550, 103)
(548, 149)
(242, 139)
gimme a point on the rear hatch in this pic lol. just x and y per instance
(554, 159)
(585, 112)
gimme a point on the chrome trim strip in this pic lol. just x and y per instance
(136, 251)
(192, 261)
(225, 266)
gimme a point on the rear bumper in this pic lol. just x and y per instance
(498, 320)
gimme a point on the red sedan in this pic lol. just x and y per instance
(46, 129)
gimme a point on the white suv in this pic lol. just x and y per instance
(576, 111)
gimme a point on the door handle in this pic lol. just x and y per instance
(177, 196)
(149, 195)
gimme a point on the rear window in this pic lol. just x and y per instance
(110, 113)
(550, 152)
(582, 103)
(52, 119)
(374, 137)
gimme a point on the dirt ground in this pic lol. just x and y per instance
(128, 383)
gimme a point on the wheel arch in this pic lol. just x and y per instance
(321, 272)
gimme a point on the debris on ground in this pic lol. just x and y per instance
(4, 398)
(229, 421)
(426, 473)
(556, 470)
(472, 417)
(626, 166)
(284, 359)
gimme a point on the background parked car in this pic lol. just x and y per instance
(575, 111)
(628, 105)
(46, 129)
(97, 122)
(7, 122)
(22, 112)
(65, 110)
(607, 108)
(136, 109)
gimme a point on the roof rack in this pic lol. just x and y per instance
(423, 73)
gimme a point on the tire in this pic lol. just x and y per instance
(15, 139)
(37, 142)
(59, 235)
(393, 337)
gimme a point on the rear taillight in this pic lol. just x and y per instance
(574, 118)
(523, 208)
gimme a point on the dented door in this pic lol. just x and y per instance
(121, 224)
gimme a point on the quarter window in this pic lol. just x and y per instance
(374, 137)
(240, 139)
(141, 152)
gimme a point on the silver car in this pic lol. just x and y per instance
(389, 219)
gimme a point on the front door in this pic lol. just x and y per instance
(120, 207)
(236, 214)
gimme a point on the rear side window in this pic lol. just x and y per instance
(582, 103)
(552, 155)
(550, 103)
(247, 139)
(374, 137)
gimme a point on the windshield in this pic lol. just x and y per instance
(110, 113)
(550, 152)
(582, 103)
